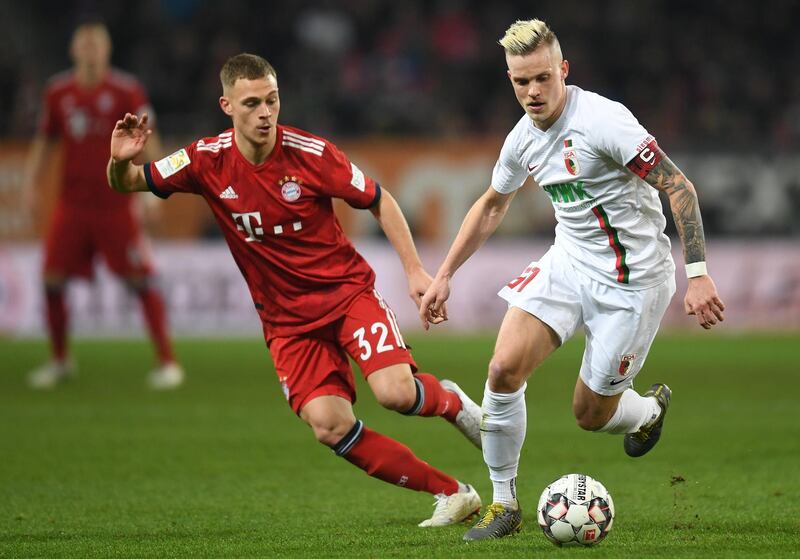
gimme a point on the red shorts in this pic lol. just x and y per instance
(76, 235)
(315, 363)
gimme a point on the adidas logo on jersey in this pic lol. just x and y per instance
(229, 194)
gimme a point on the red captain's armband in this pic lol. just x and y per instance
(648, 157)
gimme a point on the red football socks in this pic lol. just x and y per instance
(435, 400)
(155, 317)
(390, 461)
(56, 312)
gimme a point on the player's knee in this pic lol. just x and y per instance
(394, 387)
(330, 431)
(504, 376)
(401, 399)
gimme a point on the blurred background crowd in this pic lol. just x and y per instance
(711, 75)
(712, 79)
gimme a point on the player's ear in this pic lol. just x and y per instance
(564, 69)
(225, 105)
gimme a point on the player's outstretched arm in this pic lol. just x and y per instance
(701, 298)
(481, 221)
(128, 141)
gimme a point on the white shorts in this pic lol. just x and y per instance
(620, 324)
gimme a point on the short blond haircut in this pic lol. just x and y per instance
(524, 36)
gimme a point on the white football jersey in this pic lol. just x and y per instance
(609, 220)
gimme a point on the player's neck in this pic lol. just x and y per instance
(88, 77)
(254, 153)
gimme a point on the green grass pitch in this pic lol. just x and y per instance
(102, 467)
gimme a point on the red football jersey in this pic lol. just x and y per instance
(83, 119)
(278, 220)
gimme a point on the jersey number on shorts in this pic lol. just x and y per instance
(366, 348)
(524, 279)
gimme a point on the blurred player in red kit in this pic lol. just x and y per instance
(80, 108)
(270, 188)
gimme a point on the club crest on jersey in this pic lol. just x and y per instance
(571, 158)
(290, 188)
(625, 363)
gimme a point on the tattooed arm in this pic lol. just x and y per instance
(667, 178)
(658, 170)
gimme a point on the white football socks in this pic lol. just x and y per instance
(502, 434)
(633, 411)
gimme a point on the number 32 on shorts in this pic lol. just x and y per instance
(525, 278)
(366, 347)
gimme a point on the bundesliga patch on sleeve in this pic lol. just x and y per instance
(171, 164)
(648, 157)
(358, 177)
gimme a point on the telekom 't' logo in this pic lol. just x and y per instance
(249, 223)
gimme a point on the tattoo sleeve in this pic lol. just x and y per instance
(666, 177)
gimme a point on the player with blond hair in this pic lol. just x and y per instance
(610, 269)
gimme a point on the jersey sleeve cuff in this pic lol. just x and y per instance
(148, 177)
(376, 200)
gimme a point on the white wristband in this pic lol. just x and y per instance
(696, 269)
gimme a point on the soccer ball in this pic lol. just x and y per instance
(575, 510)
